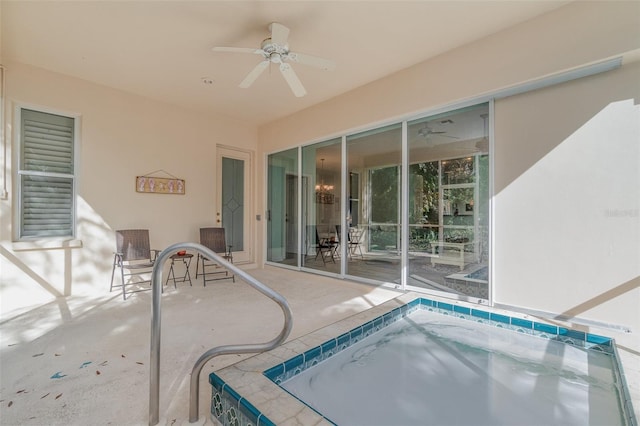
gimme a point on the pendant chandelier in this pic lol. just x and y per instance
(324, 194)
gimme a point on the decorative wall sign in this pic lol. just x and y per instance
(160, 185)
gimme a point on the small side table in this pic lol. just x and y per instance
(186, 260)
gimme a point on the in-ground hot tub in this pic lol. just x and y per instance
(433, 362)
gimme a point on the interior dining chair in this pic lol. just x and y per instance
(323, 247)
(134, 258)
(214, 239)
(353, 241)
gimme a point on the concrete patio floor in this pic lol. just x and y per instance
(82, 361)
(85, 361)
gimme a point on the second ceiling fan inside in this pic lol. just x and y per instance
(275, 49)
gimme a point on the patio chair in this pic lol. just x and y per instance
(134, 257)
(214, 240)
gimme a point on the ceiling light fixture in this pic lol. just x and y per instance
(323, 192)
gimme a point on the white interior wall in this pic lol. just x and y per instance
(122, 136)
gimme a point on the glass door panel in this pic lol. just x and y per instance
(449, 202)
(373, 240)
(282, 207)
(234, 201)
(321, 165)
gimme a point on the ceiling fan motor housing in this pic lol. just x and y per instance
(273, 51)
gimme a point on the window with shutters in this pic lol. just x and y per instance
(46, 175)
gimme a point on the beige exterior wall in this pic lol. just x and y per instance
(122, 136)
(567, 199)
(546, 275)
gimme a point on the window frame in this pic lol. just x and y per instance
(49, 241)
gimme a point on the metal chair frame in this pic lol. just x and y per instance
(134, 257)
(352, 245)
(214, 240)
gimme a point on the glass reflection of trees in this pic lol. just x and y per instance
(459, 170)
(423, 181)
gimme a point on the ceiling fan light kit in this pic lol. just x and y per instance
(275, 49)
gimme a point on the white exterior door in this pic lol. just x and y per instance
(234, 201)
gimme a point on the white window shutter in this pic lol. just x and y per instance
(46, 175)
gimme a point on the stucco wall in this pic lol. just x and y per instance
(567, 199)
(572, 36)
(122, 136)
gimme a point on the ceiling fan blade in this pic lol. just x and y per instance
(254, 74)
(313, 61)
(292, 79)
(279, 33)
(238, 50)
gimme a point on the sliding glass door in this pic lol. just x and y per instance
(321, 212)
(449, 202)
(373, 233)
(363, 215)
(282, 207)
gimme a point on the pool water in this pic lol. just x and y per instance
(480, 274)
(430, 368)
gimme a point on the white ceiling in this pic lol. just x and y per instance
(162, 49)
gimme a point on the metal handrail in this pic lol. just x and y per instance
(156, 282)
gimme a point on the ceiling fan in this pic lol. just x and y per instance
(426, 132)
(275, 49)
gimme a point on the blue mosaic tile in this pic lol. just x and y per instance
(217, 408)
(216, 381)
(378, 323)
(413, 308)
(499, 318)
(427, 302)
(545, 328)
(264, 421)
(445, 306)
(462, 310)
(396, 314)
(414, 303)
(356, 335)
(519, 322)
(312, 356)
(230, 409)
(343, 340)
(598, 340)
(294, 365)
(228, 390)
(367, 328)
(480, 314)
(329, 346)
(574, 334)
(275, 371)
(250, 412)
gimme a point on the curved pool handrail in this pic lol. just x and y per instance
(156, 282)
